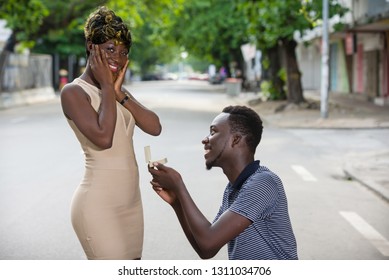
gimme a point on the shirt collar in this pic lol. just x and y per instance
(247, 172)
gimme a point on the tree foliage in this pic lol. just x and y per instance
(24, 18)
(274, 23)
(272, 20)
(57, 26)
(153, 43)
(64, 34)
(213, 30)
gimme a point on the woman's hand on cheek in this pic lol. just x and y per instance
(120, 78)
(99, 66)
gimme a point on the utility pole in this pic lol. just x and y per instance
(324, 64)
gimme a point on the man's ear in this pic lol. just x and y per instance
(236, 138)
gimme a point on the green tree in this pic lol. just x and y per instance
(273, 25)
(61, 32)
(212, 30)
(153, 43)
(147, 20)
(24, 18)
(56, 27)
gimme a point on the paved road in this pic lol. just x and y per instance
(41, 164)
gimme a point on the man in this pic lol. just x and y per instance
(253, 218)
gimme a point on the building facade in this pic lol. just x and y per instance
(358, 54)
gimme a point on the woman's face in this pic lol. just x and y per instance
(117, 55)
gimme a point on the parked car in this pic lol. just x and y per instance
(151, 77)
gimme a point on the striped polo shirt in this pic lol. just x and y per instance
(258, 195)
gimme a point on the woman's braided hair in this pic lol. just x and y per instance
(103, 25)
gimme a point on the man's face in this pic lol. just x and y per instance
(216, 142)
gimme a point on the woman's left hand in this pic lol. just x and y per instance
(119, 81)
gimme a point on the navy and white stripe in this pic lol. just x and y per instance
(262, 200)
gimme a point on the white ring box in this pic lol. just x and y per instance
(149, 161)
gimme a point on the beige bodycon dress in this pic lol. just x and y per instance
(106, 209)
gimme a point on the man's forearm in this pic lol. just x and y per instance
(196, 224)
(185, 226)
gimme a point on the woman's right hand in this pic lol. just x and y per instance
(99, 66)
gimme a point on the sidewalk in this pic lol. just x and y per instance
(344, 112)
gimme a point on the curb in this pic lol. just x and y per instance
(370, 170)
(26, 97)
(374, 188)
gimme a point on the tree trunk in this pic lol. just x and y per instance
(3, 61)
(8, 48)
(295, 90)
(272, 73)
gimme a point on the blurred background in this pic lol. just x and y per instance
(189, 59)
(269, 46)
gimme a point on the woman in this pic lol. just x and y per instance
(106, 209)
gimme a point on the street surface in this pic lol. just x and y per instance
(41, 165)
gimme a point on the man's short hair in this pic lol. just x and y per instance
(247, 122)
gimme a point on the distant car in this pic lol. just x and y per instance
(170, 76)
(151, 77)
(198, 76)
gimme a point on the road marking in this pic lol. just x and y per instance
(367, 231)
(18, 120)
(304, 173)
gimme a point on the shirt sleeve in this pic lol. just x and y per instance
(222, 206)
(258, 197)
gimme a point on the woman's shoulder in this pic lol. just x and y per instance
(77, 85)
(73, 90)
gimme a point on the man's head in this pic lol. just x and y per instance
(246, 122)
(103, 25)
(237, 128)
